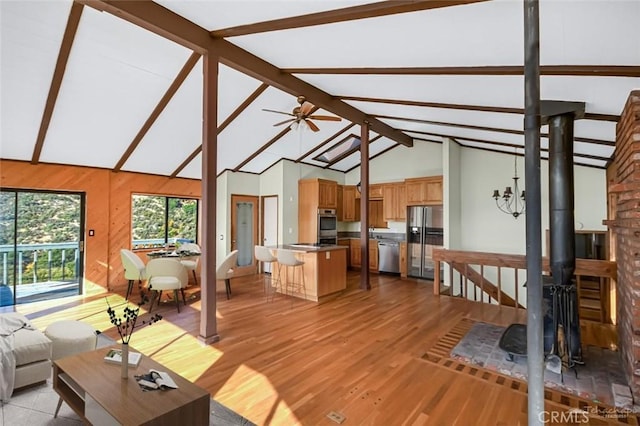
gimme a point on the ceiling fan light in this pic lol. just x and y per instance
(294, 126)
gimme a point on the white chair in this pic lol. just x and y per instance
(134, 269)
(225, 270)
(263, 254)
(190, 262)
(166, 274)
(288, 259)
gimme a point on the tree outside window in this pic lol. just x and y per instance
(158, 220)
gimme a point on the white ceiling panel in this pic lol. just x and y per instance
(605, 130)
(30, 38)
(253, 128)
(218, 14)
(491, 35)
(193, 169)
(176, 133)
(353, 160)
(116, 75)
(261, 163)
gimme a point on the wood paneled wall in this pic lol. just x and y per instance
(108, 206)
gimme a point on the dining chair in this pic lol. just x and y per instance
(134, 269)
(263, 254)
(190, 262)
(166, 274)
(225, 270)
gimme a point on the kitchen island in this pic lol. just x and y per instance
(325, 270)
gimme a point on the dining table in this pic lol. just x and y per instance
(172, 253)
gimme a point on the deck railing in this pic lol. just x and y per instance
(499, 278)
(39, 262)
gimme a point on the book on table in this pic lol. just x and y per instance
(155, 379)
(114, 356)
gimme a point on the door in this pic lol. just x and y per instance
(269, 224)
(244, 232)
(41, 245)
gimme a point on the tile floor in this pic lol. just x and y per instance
(34, 406)
(594, 380)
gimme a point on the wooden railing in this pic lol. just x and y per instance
(499, 278)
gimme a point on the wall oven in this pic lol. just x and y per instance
(327, 225)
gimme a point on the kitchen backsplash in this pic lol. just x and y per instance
(398, 236)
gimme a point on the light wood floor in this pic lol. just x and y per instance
(286, 363)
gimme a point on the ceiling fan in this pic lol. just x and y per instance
(301, 114)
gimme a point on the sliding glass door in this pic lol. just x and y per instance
(41, 245)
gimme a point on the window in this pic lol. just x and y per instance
(340, 150)
(157, 220)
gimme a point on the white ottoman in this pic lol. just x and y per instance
(70, 338)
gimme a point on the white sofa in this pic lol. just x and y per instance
(32, 351)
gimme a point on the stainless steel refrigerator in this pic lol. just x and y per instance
(424, 232)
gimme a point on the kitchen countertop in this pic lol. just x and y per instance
(307, 248)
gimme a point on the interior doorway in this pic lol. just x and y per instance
(269, 228)
(41, 245)
(244, 232)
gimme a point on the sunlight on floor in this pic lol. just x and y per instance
(264, 396)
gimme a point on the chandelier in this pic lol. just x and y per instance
(510, 202)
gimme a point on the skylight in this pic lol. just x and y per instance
(340, 150)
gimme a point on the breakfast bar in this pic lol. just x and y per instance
(325, 270)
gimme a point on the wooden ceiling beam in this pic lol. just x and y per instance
(247, 63)
(371, 10)
(155, 18)
(497, 143)
(162, 104)
(548, 70)
(489, 129)
(56, 82)
(483, 108)
(252, 97)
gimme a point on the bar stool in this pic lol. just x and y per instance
(263, 254)
(287, 258)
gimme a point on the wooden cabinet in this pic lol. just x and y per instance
(403, 259)
(376, 214)
(394, 201)
(375, 191)
(327, 194)
(373, 255)
(356, 255)
(424, 191)
(347, 243)
(348, 207)
(314, 194)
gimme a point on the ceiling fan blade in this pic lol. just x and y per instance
(312, 125)
(306, 107)
(285, 121)
(278, 112)
(325, 117)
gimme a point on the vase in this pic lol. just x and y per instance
(124, 365)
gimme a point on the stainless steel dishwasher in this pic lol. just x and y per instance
(388, 256)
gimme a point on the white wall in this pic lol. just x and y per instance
(452, 190)
(485, 228)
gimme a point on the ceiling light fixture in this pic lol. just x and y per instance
(510, 202)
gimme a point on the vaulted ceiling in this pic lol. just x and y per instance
(80, 85)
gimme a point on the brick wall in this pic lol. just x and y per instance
(624, 190)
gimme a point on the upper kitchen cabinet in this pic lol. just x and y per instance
(394, 201)
(348, 207)
(424, 191)
(319, 193)
(376, 191)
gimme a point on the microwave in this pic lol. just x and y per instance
(327, 223)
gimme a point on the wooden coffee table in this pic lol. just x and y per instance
(94, 390)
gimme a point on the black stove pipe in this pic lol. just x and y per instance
(561, 204)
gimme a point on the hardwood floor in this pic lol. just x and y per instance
(287, 363)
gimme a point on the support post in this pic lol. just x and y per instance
(535, 348)
(365, 284)
(208, 323)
